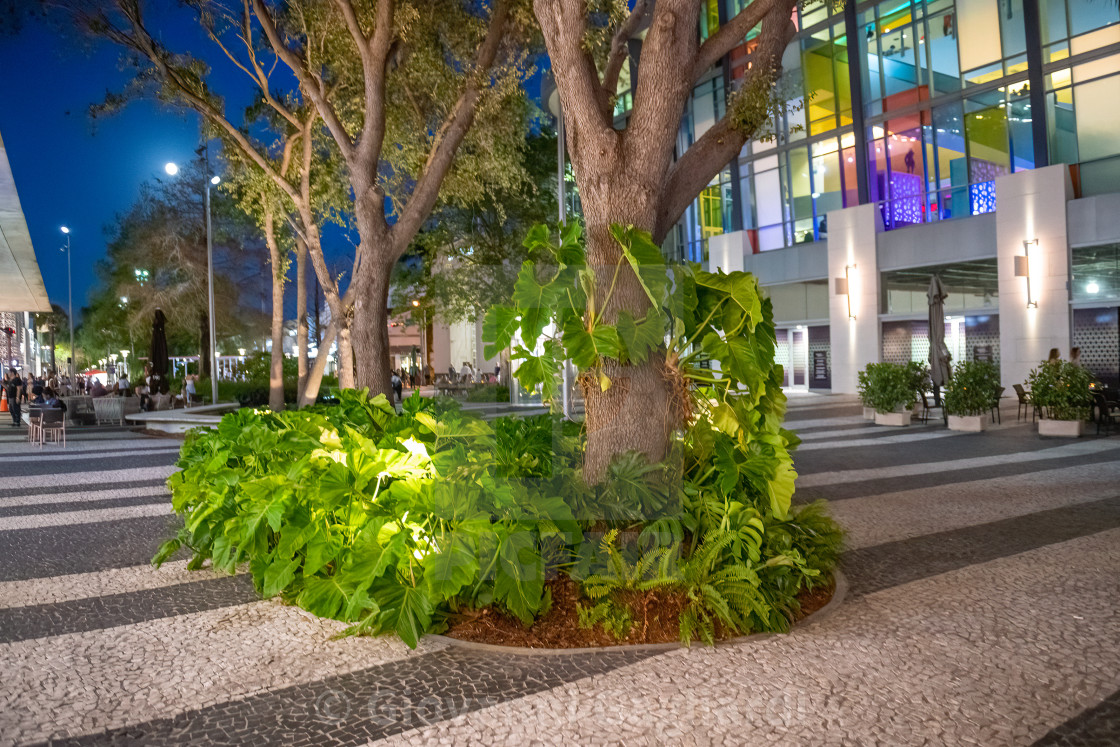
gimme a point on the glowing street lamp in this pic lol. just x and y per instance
(70, 293)
(172, 169)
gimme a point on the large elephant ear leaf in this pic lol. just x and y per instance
(639, 338)
(534, 300)
(646, 260)
(498, 328)
(571, 245)
(586, 348)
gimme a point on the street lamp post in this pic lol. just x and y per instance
(70, 293)
(173, 169)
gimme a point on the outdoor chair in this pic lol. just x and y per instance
(926, 407)
(1024, 403)
(53, 426)
(35, 424)
(1106, 412)
(995, 405)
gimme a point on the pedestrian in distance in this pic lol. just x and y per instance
(15, 387)
(397, 384)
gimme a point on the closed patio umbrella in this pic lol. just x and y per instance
(159, 362)
(940, 362)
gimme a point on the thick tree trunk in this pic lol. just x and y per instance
(371, 333)
(301, 314)
(54, 366)
(276, 359)
(635, 413)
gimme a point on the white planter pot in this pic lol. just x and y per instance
(869, 413)
(1063, 428)
(968, 423)
(892, 418)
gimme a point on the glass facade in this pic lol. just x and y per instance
(945, 106)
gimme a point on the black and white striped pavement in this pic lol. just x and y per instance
(984, 574)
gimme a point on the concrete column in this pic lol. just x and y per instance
(855, 342)
(728, 252)
(1032, 205)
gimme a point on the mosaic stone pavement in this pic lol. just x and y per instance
(984, 574)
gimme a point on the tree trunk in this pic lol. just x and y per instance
(276, 359)
(636, 412)
(301, 314)
(54, 366)
(309, 392)
(371, 333)
(345, 357)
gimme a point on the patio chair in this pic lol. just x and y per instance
(995, 405)
(1106, 412)
(53, 426)
(1024, 403)
(35, 424)
(926, 407)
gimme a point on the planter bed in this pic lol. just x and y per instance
(968, 423)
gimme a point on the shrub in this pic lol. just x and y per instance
(489, 393)
(1061, 388)
(972, 388)
(888, 386)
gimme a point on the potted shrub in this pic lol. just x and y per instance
(968, 396)
(889, 389)
(1060, 389)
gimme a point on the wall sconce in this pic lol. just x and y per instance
(842, 286)
(1023, 269)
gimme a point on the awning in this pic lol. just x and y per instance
(21, 283)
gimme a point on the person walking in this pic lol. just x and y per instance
(397, 384)
(14, 386)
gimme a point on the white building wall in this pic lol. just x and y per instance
(854, 343)
(1032, 205)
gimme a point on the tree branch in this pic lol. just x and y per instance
(730, 35)
(619, 49)
(450, 134)
(312, 87)
(722, 142)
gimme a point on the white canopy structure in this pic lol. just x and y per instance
(21, 283)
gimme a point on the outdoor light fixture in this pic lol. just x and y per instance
(215, 180)
(1023, 269)
(1092, 287)
(843, 287)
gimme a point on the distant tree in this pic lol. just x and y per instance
(52, 323)
(156, 258)
(469, 254)
(415, 95)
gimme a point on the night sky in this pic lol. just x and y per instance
(69, 169)
(72, 170)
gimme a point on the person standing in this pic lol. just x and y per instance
(14, 385)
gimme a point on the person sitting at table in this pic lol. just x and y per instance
(96, 389)
(50, 399)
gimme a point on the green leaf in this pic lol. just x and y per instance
(408, 611)
(278, 575)
(520, 580)
(646, 260)
(322, 596)
(369, 558)
(588, 349)
(448, 571)
(539, 369)
(498, 328)
(639, 338)
(534, 301)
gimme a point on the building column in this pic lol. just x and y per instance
(1032, 205)
(852, 246)
(728, 252)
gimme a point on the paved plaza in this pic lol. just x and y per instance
(983, 576)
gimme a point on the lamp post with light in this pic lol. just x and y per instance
(70, 313)
(172, 169)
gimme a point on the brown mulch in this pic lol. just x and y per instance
(655, 616)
